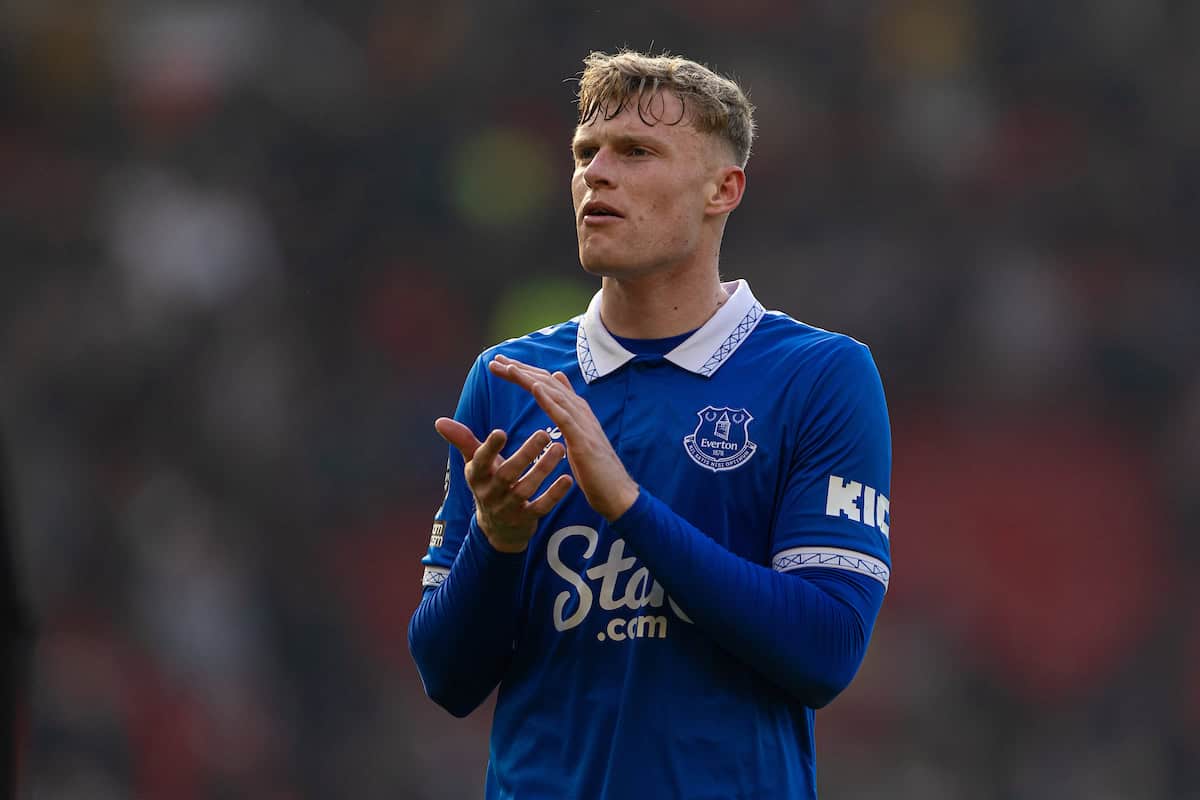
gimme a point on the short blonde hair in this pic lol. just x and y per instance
(718, 106)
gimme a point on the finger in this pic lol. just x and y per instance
(523, 376)
(491, 447)
(553, 397)
(541, 470)
(458, 435)
(548, 402)
(529, 369)
(551, 497)
(558, 381)
(485, 456)
(503, 359)
(518, 462)
(536, 372)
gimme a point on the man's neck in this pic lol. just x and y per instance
(659, 306)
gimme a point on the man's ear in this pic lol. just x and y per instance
(726, 190)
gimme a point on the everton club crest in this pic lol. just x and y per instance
(722, 439)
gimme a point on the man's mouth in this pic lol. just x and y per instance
(596, 211)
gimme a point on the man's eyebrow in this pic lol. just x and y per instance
(616, 140)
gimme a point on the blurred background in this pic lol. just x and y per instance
(250, 248)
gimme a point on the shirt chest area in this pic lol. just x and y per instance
(714, 449)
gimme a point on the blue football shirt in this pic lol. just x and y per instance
(771, 437)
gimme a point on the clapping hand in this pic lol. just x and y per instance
(505, 508)
(601, 475)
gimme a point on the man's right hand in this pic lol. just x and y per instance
(504, 488)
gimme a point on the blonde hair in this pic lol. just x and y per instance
(610, 83)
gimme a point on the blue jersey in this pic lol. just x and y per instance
(771, 437)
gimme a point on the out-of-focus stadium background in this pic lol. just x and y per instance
(250, 248)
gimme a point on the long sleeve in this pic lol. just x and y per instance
(461, 636)
(807, 632)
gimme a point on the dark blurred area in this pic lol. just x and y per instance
(250, 248)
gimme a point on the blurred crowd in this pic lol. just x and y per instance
(250, 248)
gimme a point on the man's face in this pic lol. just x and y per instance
(640, 191)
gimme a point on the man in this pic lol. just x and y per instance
(663, 611)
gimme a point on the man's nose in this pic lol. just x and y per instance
(599, 171)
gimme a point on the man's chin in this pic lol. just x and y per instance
(600, 267)
(604, 265)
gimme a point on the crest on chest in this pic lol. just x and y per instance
(721, 440)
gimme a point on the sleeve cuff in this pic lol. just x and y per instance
(637, 514)
(482, 549)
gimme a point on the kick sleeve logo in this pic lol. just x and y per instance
(721, 440)
(859, 502)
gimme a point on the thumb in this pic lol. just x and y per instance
(458, 435)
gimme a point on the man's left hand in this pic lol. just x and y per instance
(597, 468)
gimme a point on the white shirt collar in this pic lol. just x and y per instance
(702, 353)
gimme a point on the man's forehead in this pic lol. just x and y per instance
(652, 115)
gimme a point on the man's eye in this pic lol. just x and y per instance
(638, 151)
(585, 153)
